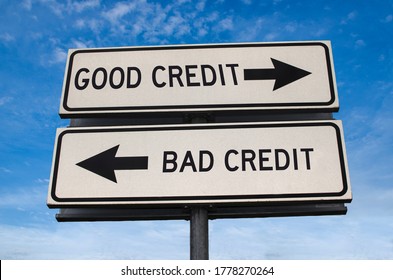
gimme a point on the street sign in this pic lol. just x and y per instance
(226, 164)
(198, 78)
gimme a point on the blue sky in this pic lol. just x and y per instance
(35, 36)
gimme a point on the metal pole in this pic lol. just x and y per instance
(199, 234)
(199, 222)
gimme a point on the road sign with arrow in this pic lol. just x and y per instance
(282, 73)
(187, 164)
(195, 78)
(105, 163)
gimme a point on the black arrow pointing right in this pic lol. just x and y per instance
(105, 163)
(282, 72)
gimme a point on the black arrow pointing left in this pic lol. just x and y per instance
(105, 163)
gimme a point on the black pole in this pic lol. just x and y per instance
(199, 222)
(199, 234)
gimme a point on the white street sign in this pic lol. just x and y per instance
(197, 78)
(185, 164)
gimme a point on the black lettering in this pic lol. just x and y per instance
(173, 75)
(205, 82)
(249, 159)
(85, 81)
(112, 73)
(104, 78)
(167, 160)
(211, 162)
(262, 159)
(138, 79)
(159, 85)
(295, 164)
(277, 153)
(307, 154)
(190, 75)
(221, 74)
(230, 168)
(232, 66)
(188, 161)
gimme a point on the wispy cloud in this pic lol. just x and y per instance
(80, 6)
(360, 43)
(5, 99)
(303, 237)
(29, 197)
(137, 240)
(120, 10)
(59, 8)
(59, 55)
(27, 4)
(350, 17)
(387, 19)
(42, 181)
(225, 24)
(81, 44)
(5, 170)
(247, 2)
(6, 37)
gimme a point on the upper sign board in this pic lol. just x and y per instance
(187, 164)
(198, 78)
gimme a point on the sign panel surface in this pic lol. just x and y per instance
(226, 163)
(258, 76)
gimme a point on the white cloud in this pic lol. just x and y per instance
(54, 56)
(271, 36)
(6, 37)
(291, 27)
(78, 44)
(115, 240)
(326, 237)
(5, 100)
(27, 4)
(320, 31)
(120, 10)
(225, 24)
(388, 18)
(57, 8)
(350, 17)
(175, 25)
(359, 43)
(161, 22)
(253, 33)
(200, 6)
(81, 44)
(42, 181)
(80, 23)
(80, 6)
(29, 197)
(60, 8)
(247, 2)
(4, 169)
(95, 25)
(59, 56)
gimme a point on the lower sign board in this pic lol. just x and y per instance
(227, 164)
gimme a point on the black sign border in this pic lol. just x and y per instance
(177, 199)
(94, 111)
